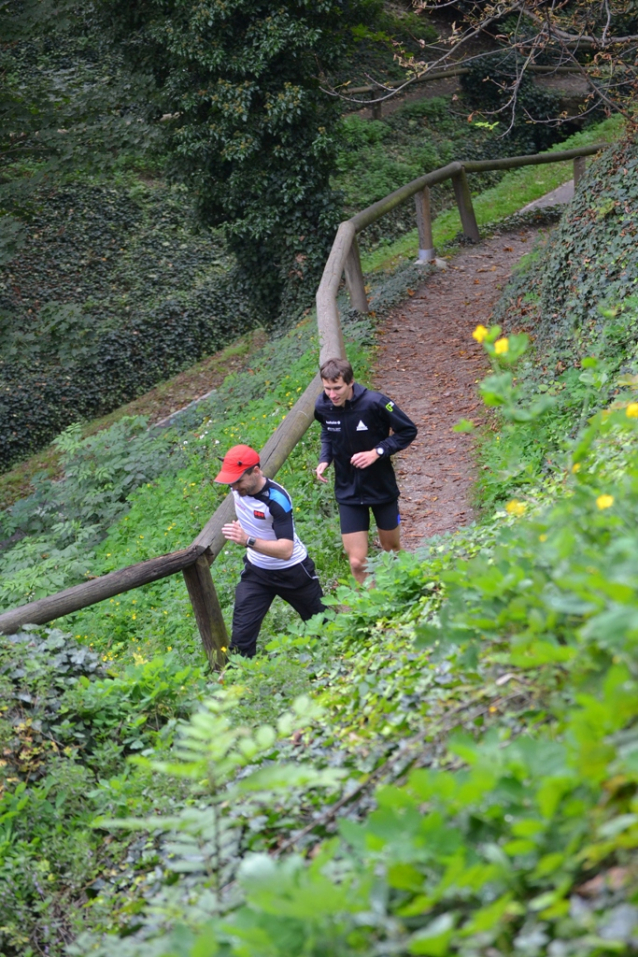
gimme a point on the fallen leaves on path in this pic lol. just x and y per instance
(430, 365)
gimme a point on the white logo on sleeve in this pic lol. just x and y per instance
(362, 427)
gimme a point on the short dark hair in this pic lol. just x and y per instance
(333, 369)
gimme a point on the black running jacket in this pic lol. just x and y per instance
(363, 423)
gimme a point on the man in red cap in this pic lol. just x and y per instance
(276, 561)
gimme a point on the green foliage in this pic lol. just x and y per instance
(376, 157)
(527, 117)
(55, 529)
(109, 293)
(66, 102)
(504, 664)
(251, 133)
(65, 729)
(577, 297)
(590, 261)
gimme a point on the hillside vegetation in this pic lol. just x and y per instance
(447, 766)
(112, 280)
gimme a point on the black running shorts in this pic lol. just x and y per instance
(356, 518)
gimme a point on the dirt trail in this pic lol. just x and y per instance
(429, 364)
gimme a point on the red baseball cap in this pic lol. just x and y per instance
(236, 461)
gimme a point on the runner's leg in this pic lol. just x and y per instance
(355, 522)
(253, 598)
(303, 592)
(356, 546)
(390, 540)
(388, 526)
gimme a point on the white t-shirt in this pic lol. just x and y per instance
(268, 515)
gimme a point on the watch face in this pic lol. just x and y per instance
(379, 451)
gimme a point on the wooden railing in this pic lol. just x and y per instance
(440, 73)
(194, 562)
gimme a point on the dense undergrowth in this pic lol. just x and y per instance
(469, 784)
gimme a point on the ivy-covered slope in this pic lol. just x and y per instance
(110, 293)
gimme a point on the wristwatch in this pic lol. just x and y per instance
(250, 542)
(380, 450)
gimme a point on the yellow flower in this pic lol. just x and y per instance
(479, 333)
(515, 507)
(223, 648)
(605, 501)
(576, 467)
(501, 346)
(632, 410)
(542, 538)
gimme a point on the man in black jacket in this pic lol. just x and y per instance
(355, 436)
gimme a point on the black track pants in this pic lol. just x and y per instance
(258, 587)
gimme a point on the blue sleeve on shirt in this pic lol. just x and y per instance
(276, 495)
(281, 511)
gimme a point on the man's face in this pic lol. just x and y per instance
(337, 390)
(249, 483)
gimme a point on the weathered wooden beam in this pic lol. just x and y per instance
(371, 213)
(531, 159)
(464, 203)
(392, 200)
(461, 71)
(207, 610)
(331, 345)
(98, 589)
(427, 252)
(354, 279)
(580, 164)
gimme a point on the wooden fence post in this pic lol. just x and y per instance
(208, 613)
(377, 110)
(464, 202)
(354, 278)
(579, 169)
(427, 252)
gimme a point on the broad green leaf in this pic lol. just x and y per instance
(433, 940)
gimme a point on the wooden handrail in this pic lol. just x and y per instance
(371, 213)
(210, 541)
(98, 589)
(455, 71)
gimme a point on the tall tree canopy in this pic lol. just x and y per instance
(238, 82)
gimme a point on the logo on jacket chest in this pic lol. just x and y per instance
(259, 514)
(362, 427)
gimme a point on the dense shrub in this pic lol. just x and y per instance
(110, 293)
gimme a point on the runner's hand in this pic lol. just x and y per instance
(362, 460)
(321, 468)
(234, 533)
